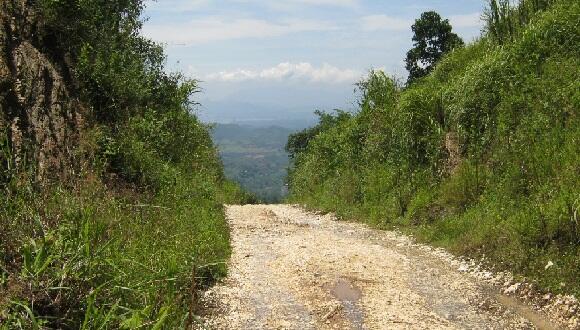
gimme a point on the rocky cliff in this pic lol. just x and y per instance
(40, 118)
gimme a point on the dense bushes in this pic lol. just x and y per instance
(86, 259)
(128, 241)
(505, 20)
(481, 156)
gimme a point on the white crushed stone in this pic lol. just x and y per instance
(286, 262)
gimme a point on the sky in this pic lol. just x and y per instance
(283, 59)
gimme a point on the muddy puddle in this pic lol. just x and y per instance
(349, 295)
(541, 323)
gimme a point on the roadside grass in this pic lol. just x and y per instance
(126, 247)
(136, 227)
(110, 261)
(481, 157)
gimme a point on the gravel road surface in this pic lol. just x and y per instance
(292, 269)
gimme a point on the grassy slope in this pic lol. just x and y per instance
(115, 255)
(93, 257)
(129, 240)
(512, 194)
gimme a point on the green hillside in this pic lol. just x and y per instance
(481, 156)
(111, 190)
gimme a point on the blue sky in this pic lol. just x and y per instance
(281, 59)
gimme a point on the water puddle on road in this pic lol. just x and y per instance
(349, 294)
(344, 290)
(526, 312)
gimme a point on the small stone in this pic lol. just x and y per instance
(547, 296)
(512, 289)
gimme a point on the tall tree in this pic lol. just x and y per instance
(432, 38)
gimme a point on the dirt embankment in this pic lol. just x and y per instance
(40, 119)
(295, 270)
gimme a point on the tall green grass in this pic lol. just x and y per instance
(129, 242)
(482, 156)
(506, 19)
(130, 239)
(89, 259)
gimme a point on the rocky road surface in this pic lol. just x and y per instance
(292, 269)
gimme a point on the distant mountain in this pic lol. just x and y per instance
(256, 115)
(264, 103)
(255, 157)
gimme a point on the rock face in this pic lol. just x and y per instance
(40, 121)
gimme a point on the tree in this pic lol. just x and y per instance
(431, 40)
(298, 142)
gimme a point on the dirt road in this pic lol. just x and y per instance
(296, 270)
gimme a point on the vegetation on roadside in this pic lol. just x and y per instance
(126, 242)
(481, 156)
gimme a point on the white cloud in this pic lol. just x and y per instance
(220, 28)
(292, 4)
(466, 21)
(290, 71)
(384, 22)
(338, 3)
(175, 5)
(192, 5)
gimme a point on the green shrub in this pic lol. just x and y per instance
(128, 241)
(92, 260)
(481, 156)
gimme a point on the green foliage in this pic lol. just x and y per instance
(505, 20)
(233, 193)
(298, 142)
(142, 227)
(91, 259)
(100, 42)
(481, 156)
(432, 38)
